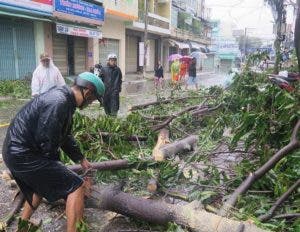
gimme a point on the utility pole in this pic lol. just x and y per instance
(146, 7)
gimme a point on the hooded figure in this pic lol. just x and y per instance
(111, 76)
(45, 76)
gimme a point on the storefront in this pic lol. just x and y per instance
(71, 53)
(131, 53)
(18, 42)
(106, 47)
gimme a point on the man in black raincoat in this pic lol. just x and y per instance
(32, 143)
(111, 75)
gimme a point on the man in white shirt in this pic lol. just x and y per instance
(45, 76)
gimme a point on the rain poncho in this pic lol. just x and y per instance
(45, 78)
(112, 79)
(175, 70)
(33, 139)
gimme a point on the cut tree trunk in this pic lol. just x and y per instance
(280, 200)
(187, 144)
(247, 183)
(159, 212)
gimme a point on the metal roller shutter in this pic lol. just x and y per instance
(26, 49)
(60, 53)
(80, 46)
(108, 46)
(17, 49)
(131, 54)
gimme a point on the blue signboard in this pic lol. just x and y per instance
(80, 8)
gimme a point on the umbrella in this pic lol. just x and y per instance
(186, 58)
(198, 55)
(174, 57)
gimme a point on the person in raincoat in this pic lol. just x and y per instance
(192, 80)
(111, 76)
(175, 67)
(183, 69)
(45, 76)
(33, 139)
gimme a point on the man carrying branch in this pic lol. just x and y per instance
(31, 147)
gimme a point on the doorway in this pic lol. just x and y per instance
(71, 60)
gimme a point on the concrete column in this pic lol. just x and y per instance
(90, 53)
(122, 49)
(48, 39)
(96, 50)
(39, 40)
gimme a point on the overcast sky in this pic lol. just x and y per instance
(254, 15)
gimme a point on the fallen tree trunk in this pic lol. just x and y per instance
(145, 105)
(104, 165)
(187, 144)
(280, 200)
(246, 184)
(159, 212)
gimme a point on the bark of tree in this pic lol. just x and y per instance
(104, 165)
(187, 144)
(247, 183)
(280, 200)
(158, 212)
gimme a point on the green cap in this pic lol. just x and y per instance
(87, 78)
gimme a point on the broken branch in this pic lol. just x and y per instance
(279, 201)
(247, 183)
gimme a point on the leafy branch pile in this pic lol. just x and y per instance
(260, 118)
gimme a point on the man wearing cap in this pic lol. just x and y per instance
(33, 142)
(45, 76)
(112, 79)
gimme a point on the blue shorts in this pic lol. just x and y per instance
(192, 80)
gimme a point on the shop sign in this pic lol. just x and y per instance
(36, 5)
(78, 31)
(80, 8)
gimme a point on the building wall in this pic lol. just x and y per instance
(164, 10)
(123, 9)
(115, 29)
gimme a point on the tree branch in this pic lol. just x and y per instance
(246, 184)
(279, 201)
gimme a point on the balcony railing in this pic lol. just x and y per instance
(154, 21)
(183, 34)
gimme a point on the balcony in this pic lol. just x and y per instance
(185, 35)
(156, 23)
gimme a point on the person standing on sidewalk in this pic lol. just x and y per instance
(159, 76)
(192, 80)
(111, 76)
(45, 76)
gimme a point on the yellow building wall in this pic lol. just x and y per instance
(164, 10)
(126, 9)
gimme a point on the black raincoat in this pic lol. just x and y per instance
(112, 79)
(33, 139)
